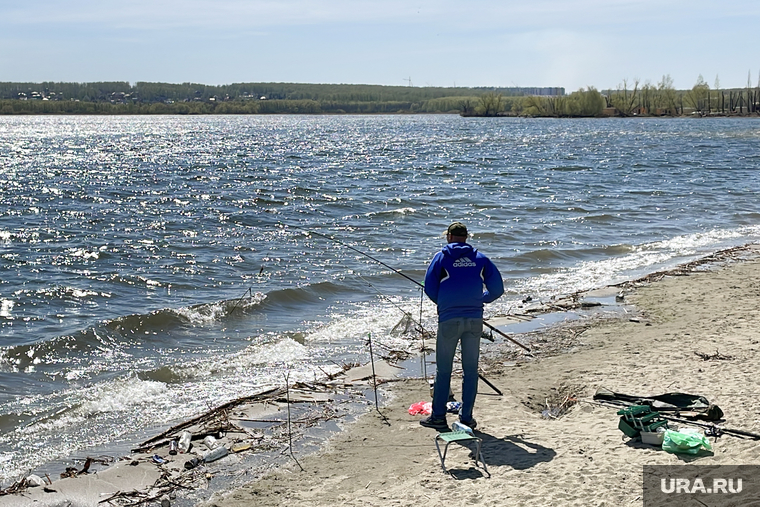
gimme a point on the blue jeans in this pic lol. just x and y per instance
(451, 332)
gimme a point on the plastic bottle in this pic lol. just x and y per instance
(184, 441)
(214, 455)
(458, 426)
(34, 481)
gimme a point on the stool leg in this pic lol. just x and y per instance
(479, 454)
(442, 456)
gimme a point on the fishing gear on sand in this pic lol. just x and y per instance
(711, 428)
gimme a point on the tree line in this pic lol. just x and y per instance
(269, 106)
(701, 99)
(629, 99)
(660, 99)
(240, 98)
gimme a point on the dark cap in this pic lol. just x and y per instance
(457, 229)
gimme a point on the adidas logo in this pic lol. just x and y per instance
(464, 262)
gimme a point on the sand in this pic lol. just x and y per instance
(581, 458)
(698, 334)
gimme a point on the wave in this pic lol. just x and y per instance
(168, 319)
(112, 335)
(703, 242)
(570, 168)
(408, 210)
(296, 297)
(164, 374)
(542, 256)
(626, 262)
(8, 421)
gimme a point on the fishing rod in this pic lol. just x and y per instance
(359, 252)
(711, 429)
(339, 242)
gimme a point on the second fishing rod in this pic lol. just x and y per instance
(345, 245)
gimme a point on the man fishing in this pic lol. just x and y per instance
(459, 280)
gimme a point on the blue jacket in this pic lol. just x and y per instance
(455, 278)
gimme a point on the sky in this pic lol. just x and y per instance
(566, 43)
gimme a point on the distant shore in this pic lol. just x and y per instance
(27, 109)
(124, 98)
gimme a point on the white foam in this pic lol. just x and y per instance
(396, 211)
(6, 306)
(643, 259)
(84, 253)
(282, 352)
(120, 396)
(149, 282)
(209, 313)
(79, 293)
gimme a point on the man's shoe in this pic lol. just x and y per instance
(472, 423)
(435, 423)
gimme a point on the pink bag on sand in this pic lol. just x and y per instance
(421, 408)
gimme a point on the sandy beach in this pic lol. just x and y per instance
(697, 334)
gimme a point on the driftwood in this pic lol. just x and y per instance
(713, 357)
(16, 487)
(163, 487)
(210, 415)
(690, 267)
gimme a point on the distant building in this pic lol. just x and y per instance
(544, 92)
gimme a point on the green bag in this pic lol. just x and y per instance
(685, 441)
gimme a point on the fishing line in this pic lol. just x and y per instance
(339, 242)
(418, 323)
(422, 337)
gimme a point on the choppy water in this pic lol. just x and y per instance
(126, 244)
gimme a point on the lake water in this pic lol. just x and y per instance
(151, 267)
